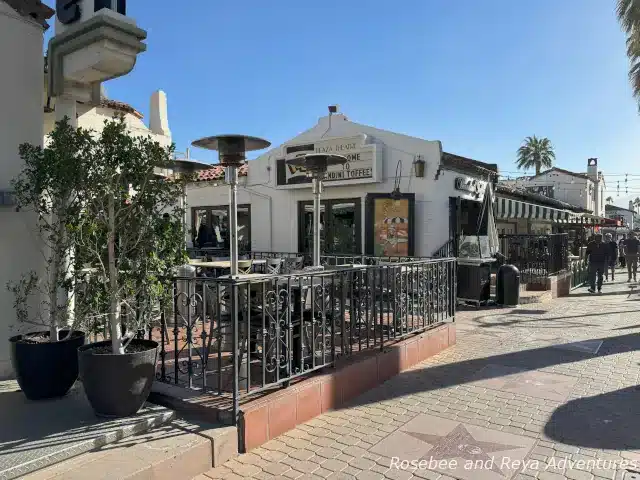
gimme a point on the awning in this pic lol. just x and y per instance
(507, 208)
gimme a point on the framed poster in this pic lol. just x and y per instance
(389, 224)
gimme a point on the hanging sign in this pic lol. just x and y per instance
(468, 185)
(71, 11)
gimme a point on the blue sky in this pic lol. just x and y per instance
(477, 75)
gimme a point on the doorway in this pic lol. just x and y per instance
(340, 226)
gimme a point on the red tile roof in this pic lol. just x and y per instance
(217, 173)
(33, 9)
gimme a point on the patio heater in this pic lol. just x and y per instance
(231, 153)
(187, 166)
(316, 165)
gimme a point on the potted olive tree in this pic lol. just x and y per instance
(131, 233)
(51, 184)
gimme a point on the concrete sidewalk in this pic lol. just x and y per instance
(545, 391)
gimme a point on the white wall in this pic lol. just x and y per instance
(564, 190)
(93, 118)
(21, 120)
(274, 212)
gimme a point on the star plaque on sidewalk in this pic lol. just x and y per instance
(452, 448)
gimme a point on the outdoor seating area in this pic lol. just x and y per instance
(281, 319)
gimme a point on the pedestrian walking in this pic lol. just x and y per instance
(621, 250)
(598, 256)
(612, 260)
(631, 251)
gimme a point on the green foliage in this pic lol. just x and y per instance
(535, 153)
(51, 184)
(128, 205)
(628, 12)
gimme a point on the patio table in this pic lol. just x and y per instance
(221, 264)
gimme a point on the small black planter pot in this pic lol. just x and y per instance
(118, 385)
(46, 370)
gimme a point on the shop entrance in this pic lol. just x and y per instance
(340, 226)
(466, 219)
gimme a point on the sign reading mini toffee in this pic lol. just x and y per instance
(360, 163)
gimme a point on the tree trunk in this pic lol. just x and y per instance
(114, 303)
(537, 168)
(56, 294)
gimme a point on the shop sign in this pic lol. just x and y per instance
(467, 185)
(361, 166)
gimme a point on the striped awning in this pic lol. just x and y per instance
(507, 208)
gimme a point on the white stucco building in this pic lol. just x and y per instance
(22, 25)
(359, 215)
(585, 190)
(626, 215)
(92, 117)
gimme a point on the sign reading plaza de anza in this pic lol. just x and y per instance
(362, 162)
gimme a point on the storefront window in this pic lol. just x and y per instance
(340, 226)
(210, 227)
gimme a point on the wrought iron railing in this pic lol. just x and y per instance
(536, 256)
(237, 337)
(447, 250)
(579, 273)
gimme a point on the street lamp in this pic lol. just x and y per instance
(231, 153)
(316, 165)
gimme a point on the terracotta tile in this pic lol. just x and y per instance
(357, 378)
(256, 426)
(283, 413)
(426, 346)
(308, 402)
(412, 354)
(452, 334)
(388, 364)
(329, 394)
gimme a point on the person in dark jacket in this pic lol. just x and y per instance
(632, 252)
(598, 255)
(613, 257)
(621, 251)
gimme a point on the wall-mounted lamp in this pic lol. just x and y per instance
(419, 166)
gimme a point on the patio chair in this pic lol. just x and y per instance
(245, 267)
(274, 265)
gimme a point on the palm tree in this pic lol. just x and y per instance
(535, 153)
(609, 200)
(628, 12)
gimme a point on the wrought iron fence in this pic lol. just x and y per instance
(536, 256)
(235, 337)
(579, 273)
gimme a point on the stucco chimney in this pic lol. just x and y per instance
(158, 118)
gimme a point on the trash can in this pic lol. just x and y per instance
(508, 286)
(474, 280)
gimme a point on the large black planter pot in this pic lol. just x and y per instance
(118, 385)
(46, 370)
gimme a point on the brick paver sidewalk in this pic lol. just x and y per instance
(545, 391)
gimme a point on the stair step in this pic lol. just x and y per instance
(180, 449)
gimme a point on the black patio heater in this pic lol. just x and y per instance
(232, 155)
(316, 165)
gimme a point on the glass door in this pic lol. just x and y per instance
(340, 226)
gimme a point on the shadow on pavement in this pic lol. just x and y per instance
(435, 377)
(608, 421)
